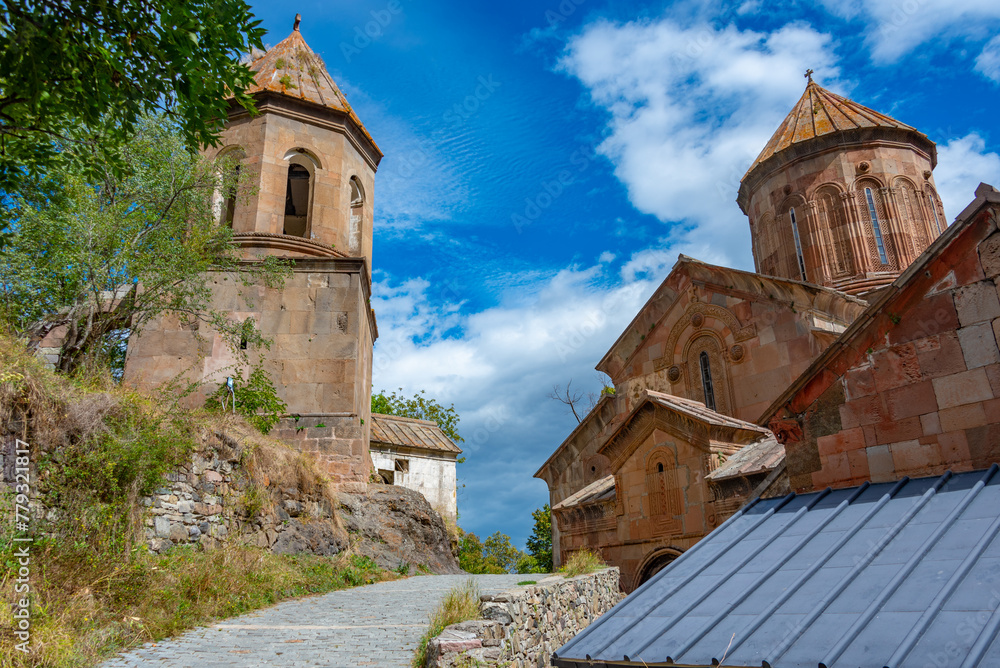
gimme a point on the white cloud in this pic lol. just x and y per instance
(691, 107)
(498, 367)
(964, 163)
(896, 28)
(988, 62)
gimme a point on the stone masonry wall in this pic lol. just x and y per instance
(211, 500)
(522, 627)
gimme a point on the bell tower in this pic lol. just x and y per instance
(310, 167)
(841, 196)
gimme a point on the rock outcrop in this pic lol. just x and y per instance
(397, 527)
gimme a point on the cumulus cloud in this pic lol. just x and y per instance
(964, 163)
(988, 62)
(690, 108)
(498, 366)
(896, 28)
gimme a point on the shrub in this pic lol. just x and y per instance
(459, 605)
(256, 399)
(581, 563)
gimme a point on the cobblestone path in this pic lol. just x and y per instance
(377, 625)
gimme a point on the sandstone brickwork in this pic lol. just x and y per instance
(913, 388)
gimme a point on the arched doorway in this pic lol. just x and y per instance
(654, 562)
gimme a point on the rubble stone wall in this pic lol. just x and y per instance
(210, 500)
(522, 627)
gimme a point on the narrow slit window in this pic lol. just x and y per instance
(876, 227)
(798, 244)
(937, 221)
(229, 206)
(706, 380)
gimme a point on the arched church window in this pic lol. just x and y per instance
(832, 220)
(706, 379)
(798, 243)
(297, 194)
(912, 218)
(662, 485)
(229, 166)
(876, 226)
(357, 214)
(933, 205)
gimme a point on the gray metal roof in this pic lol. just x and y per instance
(902, 574)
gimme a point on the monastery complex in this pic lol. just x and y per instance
(862, 349)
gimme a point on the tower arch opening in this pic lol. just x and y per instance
(358, 203)
(229, 164)
(299, 186)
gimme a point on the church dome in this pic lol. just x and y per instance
(841, 195)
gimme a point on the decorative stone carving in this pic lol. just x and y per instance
(674, 374)
(927, 175)
(697, 319)
(864, 167)
(737, 353)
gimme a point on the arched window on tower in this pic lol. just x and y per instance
(876, 226)
(911, 216)
(881, 249)
(832, 220)
(229, 168)
(932, 203)
(357, 214)
(798, 243)
(297, 192)
(706, 379)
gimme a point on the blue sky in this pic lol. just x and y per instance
(545, 163)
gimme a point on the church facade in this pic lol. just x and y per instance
(840, 202)
(310, 166)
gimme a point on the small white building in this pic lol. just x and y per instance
(417, 455)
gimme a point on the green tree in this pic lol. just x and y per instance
(77, 76)
(472, 557)
(539, 543)
(106, 257)
(420, 408)
(495, 555)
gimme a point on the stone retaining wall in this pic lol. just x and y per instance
(211, 500)
(523, 626)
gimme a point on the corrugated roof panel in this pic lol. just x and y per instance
(877, 575)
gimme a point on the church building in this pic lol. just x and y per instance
(840, 202)
(311, 166)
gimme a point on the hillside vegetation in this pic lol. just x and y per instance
(97, 448)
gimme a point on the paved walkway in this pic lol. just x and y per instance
(378, 625)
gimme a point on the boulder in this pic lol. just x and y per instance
(397, 526)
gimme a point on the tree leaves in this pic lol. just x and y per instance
(78, 75)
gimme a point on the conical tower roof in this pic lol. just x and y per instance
(820, 112)
(292, 69)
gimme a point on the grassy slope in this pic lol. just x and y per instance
(95, 587)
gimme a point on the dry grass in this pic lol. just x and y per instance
(581, 563)
(459, 605)
(98, 448)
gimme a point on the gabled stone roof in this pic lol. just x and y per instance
(804, 297)
(819, 112)
(292, 69)
(822, 120)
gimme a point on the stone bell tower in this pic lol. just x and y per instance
(310, 164)
(841, 196)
